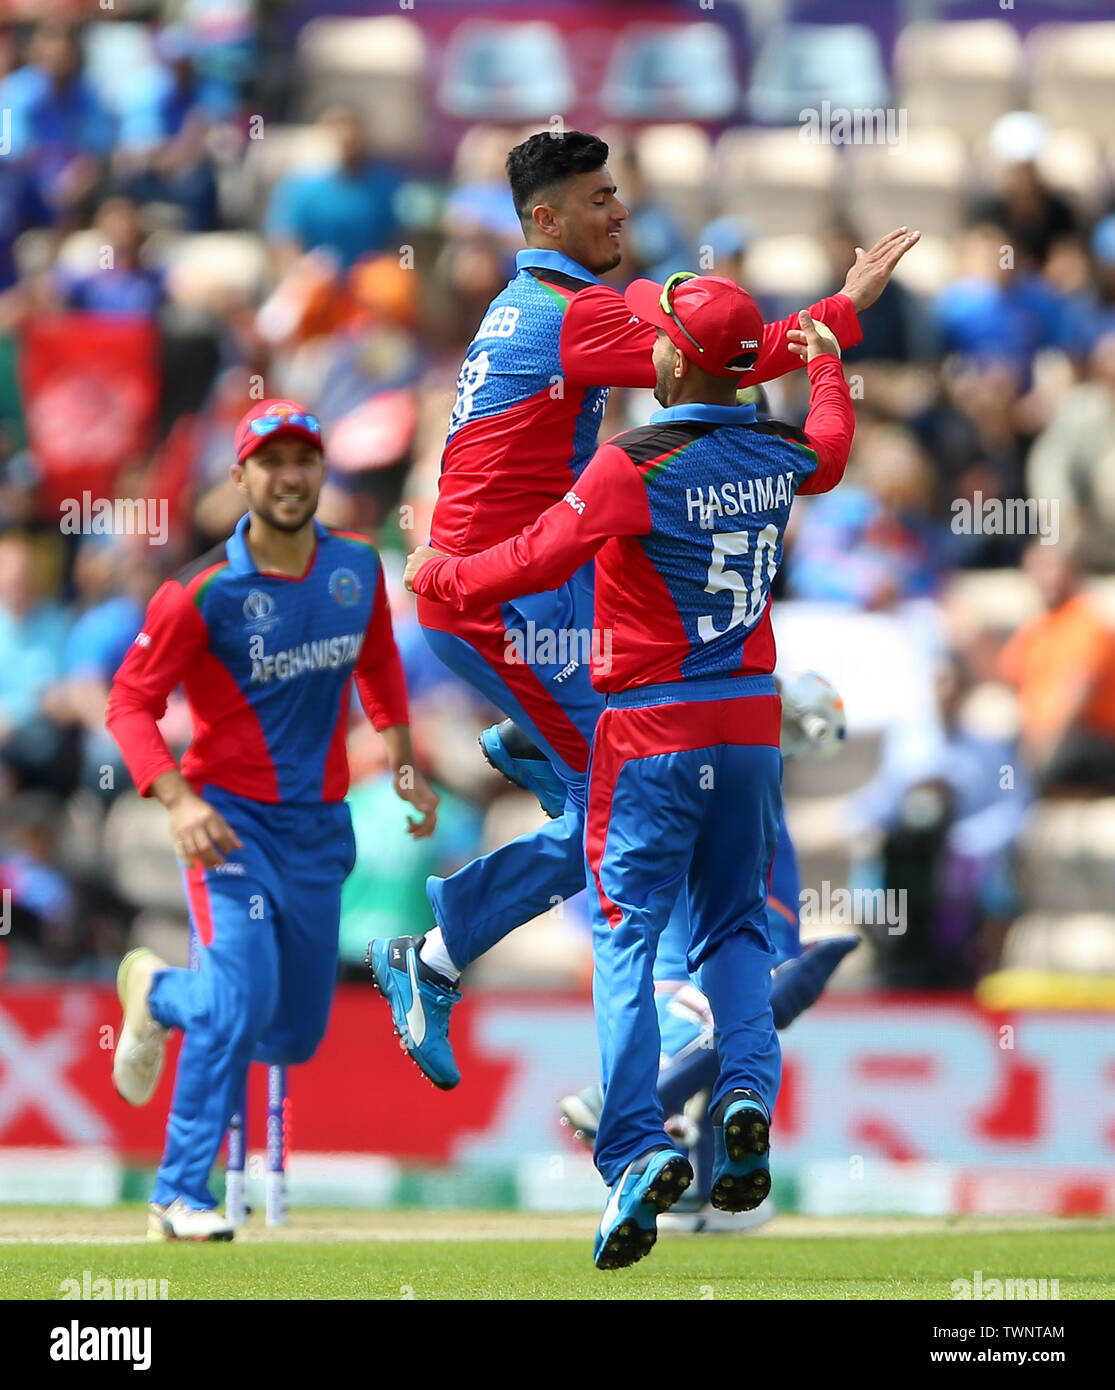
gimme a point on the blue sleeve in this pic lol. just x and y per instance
(824, 563)
(98, 127)
(141, 121)
(286, 213)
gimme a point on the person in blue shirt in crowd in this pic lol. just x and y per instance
(126, 288)
(995, 310)
(32, 637)
(347, 210)
(21, 207)
(59, 130)
(166, 111)
(873, 542)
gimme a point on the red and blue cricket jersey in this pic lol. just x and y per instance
(267, 663)
(686, 517)
(531, 394)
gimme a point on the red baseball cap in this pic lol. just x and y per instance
(272, 418)
(714, 322)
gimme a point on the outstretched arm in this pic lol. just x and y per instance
(609, 499)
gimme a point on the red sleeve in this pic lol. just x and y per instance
(380, 681)
(602, 342)
(830, 424)
(174, 634)
(775, 358)
(609, 499)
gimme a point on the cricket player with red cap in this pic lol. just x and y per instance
(685, 518)
(530, 396)
(267, 634)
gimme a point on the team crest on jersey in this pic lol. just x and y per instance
(345, 587)
(259, 611)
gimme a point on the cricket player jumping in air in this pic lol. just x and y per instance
(267, 633)
(686, 518)
(531, 393)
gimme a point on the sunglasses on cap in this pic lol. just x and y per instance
(666, 305)
(268, 424)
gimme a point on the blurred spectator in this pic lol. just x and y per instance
(871, 542)
(44, 909)
(113, 579)
(347, 210)
(1062, 663)
(21, 207)
(974, 433)
(59, 130)
(946, 823)
(996, 309)
(165, 116)
(32, 640)
(1031, 214)
(1103, 269)
(120, 285)
(1073, 459)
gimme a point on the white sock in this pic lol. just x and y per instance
(434, 954)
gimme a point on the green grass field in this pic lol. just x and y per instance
(446, 1255)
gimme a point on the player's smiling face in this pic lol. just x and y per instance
(590, 218)
(282, 480)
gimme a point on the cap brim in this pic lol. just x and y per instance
(254, 441)
(643, 299)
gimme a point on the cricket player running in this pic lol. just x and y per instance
(266, 633)
(530, 397)
(686, 518)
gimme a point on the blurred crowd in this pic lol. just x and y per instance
(321, 268)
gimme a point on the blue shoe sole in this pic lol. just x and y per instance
(377, 963)
(534, 776)
(745, 1183)
(634, 1237)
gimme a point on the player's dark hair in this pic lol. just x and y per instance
(545, 159)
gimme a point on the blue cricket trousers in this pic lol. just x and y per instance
(783, 918)
(530, 658)
(684, 792)
(267, 921)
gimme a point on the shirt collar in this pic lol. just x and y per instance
(706, 414)
(240, 557)
(554, 260)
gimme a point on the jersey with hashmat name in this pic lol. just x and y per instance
(686, 517)
(532, 390)
(267, 663)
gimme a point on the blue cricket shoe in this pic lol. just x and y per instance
(421, 1001)
(800, 981)
(647, 1187)
(510, 751)
(741, 1137)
